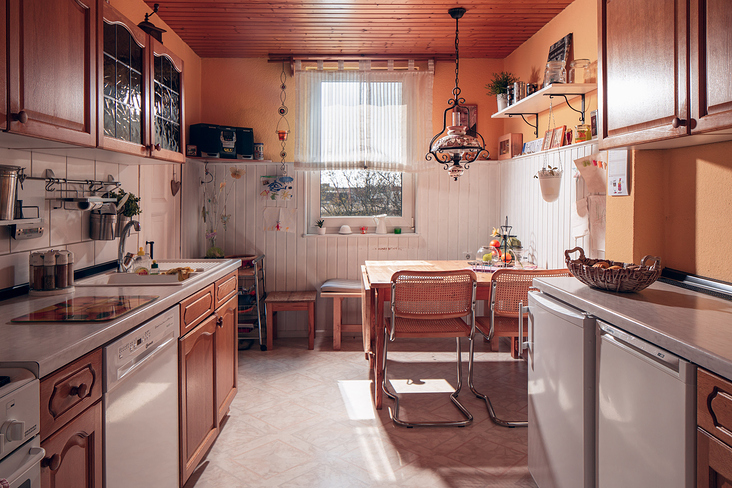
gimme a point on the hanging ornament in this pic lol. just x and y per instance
(283, 126)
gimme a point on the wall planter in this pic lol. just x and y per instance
(502, 101)
(550, 181)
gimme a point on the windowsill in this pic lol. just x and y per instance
(368, 235)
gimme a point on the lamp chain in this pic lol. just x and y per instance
(456, 90)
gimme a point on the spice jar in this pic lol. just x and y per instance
(71, 269)
(582, 133)
(579, 71)
(62, 269)
(49, 270)
(555, 72)
(35, 274)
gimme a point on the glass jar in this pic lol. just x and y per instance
(36, 271)
(582, 133)
(579, 71)
(62, 269)
(49, 270)
(555, 72)
(486, 255)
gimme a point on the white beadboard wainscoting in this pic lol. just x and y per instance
(452, 219)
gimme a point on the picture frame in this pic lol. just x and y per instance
(191, 150)
(510, 145)
(560, 49)
(469, 118)
(558, 137)
(593, 123)
(547, 143)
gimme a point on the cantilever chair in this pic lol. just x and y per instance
(509, 289)
(431, 304)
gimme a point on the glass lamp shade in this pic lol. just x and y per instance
(282, 134)
(456, 142)
(456, 171)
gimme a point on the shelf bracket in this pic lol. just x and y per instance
(535, 126)
(566, 100)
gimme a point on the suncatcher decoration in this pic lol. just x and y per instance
(452, 146)
(283, 126)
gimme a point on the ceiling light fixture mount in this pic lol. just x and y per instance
(453, 147)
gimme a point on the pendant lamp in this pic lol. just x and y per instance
(453, 147)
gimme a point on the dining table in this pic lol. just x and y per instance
(376, 292)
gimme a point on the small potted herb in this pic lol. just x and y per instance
(550, 181)
(128, 205)
(320, 224)
(498, 86)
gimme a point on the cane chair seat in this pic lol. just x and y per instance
(509, 289)
(426, 304)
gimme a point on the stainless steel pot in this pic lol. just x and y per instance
(8, 188)
(102, 226)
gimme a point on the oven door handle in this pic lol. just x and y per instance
(37, 454)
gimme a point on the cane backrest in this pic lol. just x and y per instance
(511, 286)
(433, 294)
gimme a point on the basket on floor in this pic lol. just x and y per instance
(616, 276)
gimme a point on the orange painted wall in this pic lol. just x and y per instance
(529, 60)
(135, 10)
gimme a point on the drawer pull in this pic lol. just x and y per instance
(53, 462)
(21, 117)
(79, 391)
(677, 122)
(219, 321)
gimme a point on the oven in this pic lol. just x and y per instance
(20, 444)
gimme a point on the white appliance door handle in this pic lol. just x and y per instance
(37, 454)
(524, 345)
(128, 368)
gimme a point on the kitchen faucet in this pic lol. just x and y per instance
(123, 261)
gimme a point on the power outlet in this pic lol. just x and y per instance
(467, 255)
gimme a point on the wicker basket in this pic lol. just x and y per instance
(628, 278)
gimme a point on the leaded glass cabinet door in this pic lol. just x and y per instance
(168, 126)
(123, 98)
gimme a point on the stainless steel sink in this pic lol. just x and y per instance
(112, 278)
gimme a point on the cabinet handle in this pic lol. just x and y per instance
(220, 321)
(79, 391)
(21, 117)
(156, 147)
(53, 462)
(677, 122)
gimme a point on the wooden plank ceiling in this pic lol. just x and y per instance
(339, 28)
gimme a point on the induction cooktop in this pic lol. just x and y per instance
(87, 309)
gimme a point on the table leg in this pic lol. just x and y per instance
(379, 349)
(311, 325)
(270, 318)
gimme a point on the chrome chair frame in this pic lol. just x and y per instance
(389, 336)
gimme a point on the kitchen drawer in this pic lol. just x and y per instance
(195, 308)
(68, 391)
(225, 288)
(714, 405)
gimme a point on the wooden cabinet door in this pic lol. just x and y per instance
(711, 64)
(123, 105)
(198, 412)
(713, 462)
(3, 68)
(227, 353)
(643, 83)
(168, 121)
(74, 453)
(52, 66)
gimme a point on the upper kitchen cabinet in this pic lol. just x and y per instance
(711, 64)
(124, 100)
(52, 69)
(663, 71)
(168, 129)
(141, 99)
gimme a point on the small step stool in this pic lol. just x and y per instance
(338, 290)
(288, 301)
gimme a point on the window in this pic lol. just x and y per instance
(365, 133)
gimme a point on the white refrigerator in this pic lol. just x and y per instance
(561, 361)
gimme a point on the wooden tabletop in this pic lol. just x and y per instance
(380, 272)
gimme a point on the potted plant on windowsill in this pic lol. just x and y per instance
(320, 224)
(498, 86)
(550, 181)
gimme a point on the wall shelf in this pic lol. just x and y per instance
(541, 100)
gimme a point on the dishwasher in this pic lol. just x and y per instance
(141, 405)
(646, 414)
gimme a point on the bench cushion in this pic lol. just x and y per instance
(341, 286)
(290, 296)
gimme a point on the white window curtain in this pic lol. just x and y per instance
(363, 118)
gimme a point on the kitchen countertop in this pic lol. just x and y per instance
(692, 325)
(44, 347)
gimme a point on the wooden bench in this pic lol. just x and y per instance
(288, 301)
(338, 290)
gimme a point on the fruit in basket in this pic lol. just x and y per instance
(495, 243)
(615, 267)
(601, 264)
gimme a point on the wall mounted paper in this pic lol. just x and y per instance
(276, 187)
(593, 169)
(279, 219)
(617, 172)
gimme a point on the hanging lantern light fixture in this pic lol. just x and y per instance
(453, 146)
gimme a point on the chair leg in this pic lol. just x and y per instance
(453, 396)
(488, 404)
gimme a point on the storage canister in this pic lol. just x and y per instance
(62, 269)
(8, 187)
(35, 274)
(579, 71)
(555, 73)
(102, 225)
(49, 270)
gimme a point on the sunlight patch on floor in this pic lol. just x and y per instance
(414, 385)
(356, 395)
